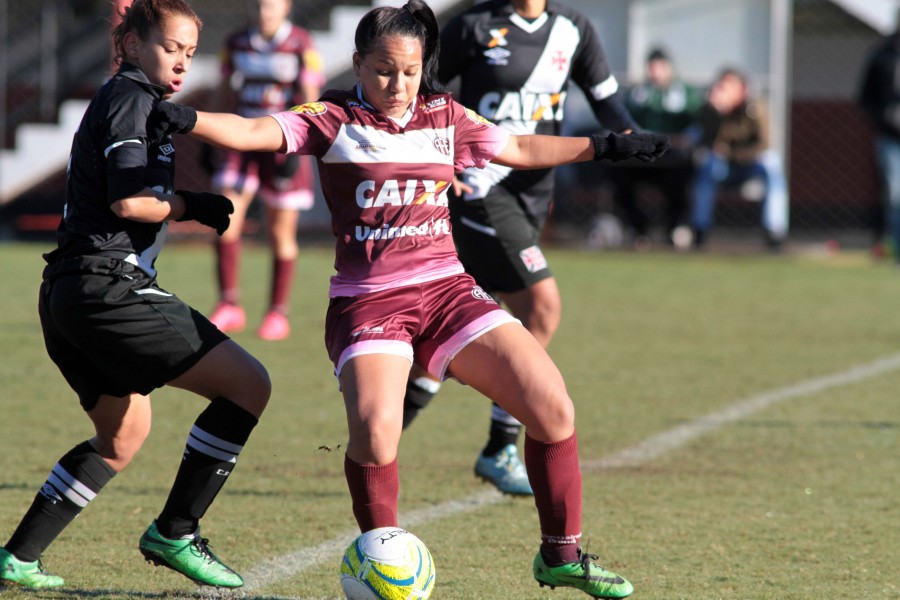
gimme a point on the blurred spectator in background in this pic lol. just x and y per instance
(731, 134)
(665, 104)
(879, 97)
(266, 68)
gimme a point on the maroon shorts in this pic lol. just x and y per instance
(258, 172)
(428, 323)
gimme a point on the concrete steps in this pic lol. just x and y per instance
(43, 149)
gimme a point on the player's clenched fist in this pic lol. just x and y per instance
(209, 209)
(620, 146)
(167, 118)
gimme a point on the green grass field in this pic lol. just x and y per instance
(738, 426)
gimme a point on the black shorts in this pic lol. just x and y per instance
(497, 242)
(111, 330)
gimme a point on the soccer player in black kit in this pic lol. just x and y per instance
(115, 334)
(515, 59)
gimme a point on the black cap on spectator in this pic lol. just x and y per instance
(657, 54)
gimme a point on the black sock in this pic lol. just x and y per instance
(73, 483)
(212, 449)
(503, 432)
(419, 393)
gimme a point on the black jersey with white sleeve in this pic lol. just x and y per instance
(112, 158)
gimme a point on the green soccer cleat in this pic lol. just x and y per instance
(27, 574)
(190, 556)
(583, 575)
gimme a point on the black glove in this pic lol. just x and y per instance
(206, 208)
(620, 146)
(167, 118)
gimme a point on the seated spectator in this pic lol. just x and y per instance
(665, 104)
(732, 149)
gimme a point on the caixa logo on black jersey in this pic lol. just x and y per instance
(522, 106)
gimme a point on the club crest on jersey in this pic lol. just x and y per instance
(533, 259)
(442, 145)
(476, 118)
(560, 61)
(313, 109)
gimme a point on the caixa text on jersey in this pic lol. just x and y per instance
(372, 194)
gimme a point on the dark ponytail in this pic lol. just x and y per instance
(415, 19)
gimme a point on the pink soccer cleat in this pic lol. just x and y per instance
(228, 317)
(275, 326)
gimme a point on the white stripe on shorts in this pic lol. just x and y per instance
(396, 347)
(462, 338)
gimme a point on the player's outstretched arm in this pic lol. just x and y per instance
(226, 130)
(544, 151)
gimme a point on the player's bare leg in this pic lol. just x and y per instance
(538, 306)
(238, 388)
(539, 309)
(510, 367)
(121, 426)
(373, 386)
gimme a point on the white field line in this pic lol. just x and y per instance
(662, 443)
(290, 565)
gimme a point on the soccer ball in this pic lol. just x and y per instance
(387, 563)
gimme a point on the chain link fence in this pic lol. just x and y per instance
(59, 49)
(829, 158)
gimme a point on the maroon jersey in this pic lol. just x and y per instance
(268, 74)
(386, 181)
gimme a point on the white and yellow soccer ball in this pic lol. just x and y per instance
(387, 563)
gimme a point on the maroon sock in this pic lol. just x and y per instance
(555, 476)
(229, 257)
(282, 276)
(374, 490)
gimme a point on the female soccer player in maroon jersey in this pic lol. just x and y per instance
(277, 67)
(386, 151)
